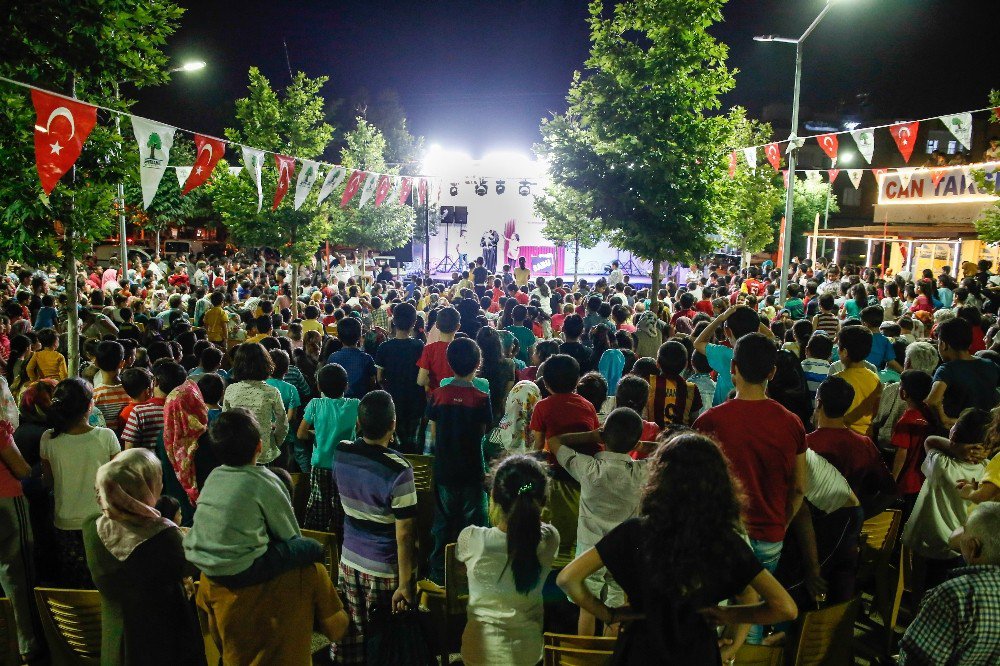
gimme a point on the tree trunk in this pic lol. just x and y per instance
(295, 290)
(72, 301)
(576, 261)
(654, 289)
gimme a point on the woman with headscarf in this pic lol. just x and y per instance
(648, 336)
(137, 561)
(521, 401)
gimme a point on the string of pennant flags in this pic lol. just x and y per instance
(63, 124)
(903, 133)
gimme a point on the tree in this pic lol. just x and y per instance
(988, 222)
(386, 112)
(78, 48)
(811, 194)
(748, 200)
(154, 144)
(569, 219)
(291, 124)
(387, 227)
(636, 135)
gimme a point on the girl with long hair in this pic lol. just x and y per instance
(507, 566)
(495, 368)
(676, 565)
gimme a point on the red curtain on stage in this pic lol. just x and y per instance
(547, 260)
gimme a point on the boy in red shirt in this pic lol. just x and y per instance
(633, 392)
(433, 361)
(138, 383)
(908, 435)
(672, 399)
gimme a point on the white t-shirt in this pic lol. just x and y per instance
(74, 460)
(939, 510)
(504, 626)
(828, 489)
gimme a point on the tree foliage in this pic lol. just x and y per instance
(386, 112)
(638, 136)
(568, 217)
(988, 222)
(810, 200)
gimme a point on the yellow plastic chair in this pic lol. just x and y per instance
(71, 620)
(331, 550)
(600, 643)
(423, 478)
(447, 605)
(760, 655)
(877, 639)
(300, 495)
(9, 650)
(558, 655)
(826, 636)
(879, 535)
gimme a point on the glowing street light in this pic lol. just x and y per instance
(190, 66)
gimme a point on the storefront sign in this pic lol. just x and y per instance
(941, 185)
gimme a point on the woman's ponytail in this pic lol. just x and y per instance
(70, 403)
(519, 491)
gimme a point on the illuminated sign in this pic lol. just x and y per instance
(938, 185)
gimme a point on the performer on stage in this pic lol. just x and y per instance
(489, 243)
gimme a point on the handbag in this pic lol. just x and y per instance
(397, 639)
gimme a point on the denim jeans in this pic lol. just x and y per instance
(767, 553)
(457, 508)
(280, 557)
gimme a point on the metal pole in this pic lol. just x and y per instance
(826, 215)
(123, 258)
(786, 242)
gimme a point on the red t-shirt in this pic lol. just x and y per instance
(690, 314)
(754, 287)
(649, 432)
(434, 360)
(761, 439)
(855, 456)
(909, 433)
(557, 322)
(522, 298)
(705, 306)
(10, 485)
(561, 414)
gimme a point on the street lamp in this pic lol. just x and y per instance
(786, 240)
(190, 66)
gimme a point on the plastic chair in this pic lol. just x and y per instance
(600, 643)
(877, 639)
(557, 655)
(447, 605)
(9, 650)
(71, 620)
(423, 478)
(878, 535)
(300, 495)
(760, 655)
(825, 636)
(331, 549)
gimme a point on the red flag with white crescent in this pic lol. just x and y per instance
(404, 190)
(62, 126)
(352, 187)
(286, 169)
(833, 174)
(996, 112)
(210, 151)
(773, 153)
(422, 191)
(732, 164)
(905, 135)
(878, 173)
(937, 175)
(829, 144)
(382, 189)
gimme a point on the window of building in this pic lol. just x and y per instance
(932, 145)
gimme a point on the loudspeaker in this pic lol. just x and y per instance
(454, 214)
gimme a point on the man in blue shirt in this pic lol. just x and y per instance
(360, 366)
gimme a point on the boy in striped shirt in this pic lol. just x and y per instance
(110, 397)
(145, 422)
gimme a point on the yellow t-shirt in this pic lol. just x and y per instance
(311, 325)
(215, 321)
(992, 474)
(521, 276)
(865, 382)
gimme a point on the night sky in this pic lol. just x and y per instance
(478, 76)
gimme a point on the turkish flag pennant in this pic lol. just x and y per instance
(937, 175)
(878, 173)
(62, 126)
(383, 189)
(773, 154)
(422, 191)
(404, 189)
(905, 135)
(286, 169)
(732, 164)
(829, 144)
(833, 174)
(210, 151)
(353, 185)
(996, 112)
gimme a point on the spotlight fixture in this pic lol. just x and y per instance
(501, 187)
(453, 190)
(524, 188)
(481, 188)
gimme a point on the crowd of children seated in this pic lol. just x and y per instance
(691, 467)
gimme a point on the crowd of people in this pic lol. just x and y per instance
(573, 427)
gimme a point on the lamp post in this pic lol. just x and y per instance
(786, 240)
(192, 66)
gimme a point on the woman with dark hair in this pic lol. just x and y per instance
(506, 318)
(788, 387)
(71, 453)
(252, 366)
(859, 301)
(308, 358)
(497, 369)
(16, 371)
(675, 565)
(36, 399)
(507, 566)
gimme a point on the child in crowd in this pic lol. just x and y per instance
(882, 355)
(378, 559)
(244, 530)
(636, 397)
(459, 415)
(289, 394)
(701, 377)
(47, 314)
(138, 384)
(212, 389)
(593, 388)
(111, 397)
(962, 380)
(736, 322)
(563, 411)
(328, 420)
(209, 361)
(522, 333)
(908, 436)
(360, 366)
(145, 423)
(672, 399)
(816, 364)
(396, 364)
(854, 346)
(610, 486)
(433, 361)
(47, 363)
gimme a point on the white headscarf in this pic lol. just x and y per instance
(127, 490)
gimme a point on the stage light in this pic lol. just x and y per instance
(501, 188)
(481, 188)
(524, 188)
(453, 190)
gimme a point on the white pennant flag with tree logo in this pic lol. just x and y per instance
(960, 124)
(155, 141)
(253, 161)
(865, 139)
(751, 156)
(333, 179)
(905, 176)
(368, 189)
(182, 175)
(303, 185)
(855, 176)
(235, 171)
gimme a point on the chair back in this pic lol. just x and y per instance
(71, 620)
(760, 655)
(558, 655)
(423, 471)
(331, 551)
(423, 478)
(826, 636)
(9, 651)
(601, 643)
(878, 537)
(456, 583)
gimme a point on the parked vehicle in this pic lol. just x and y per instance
(106, 251)
(172, 248)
